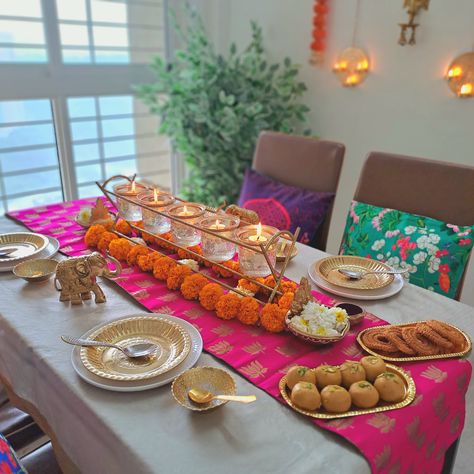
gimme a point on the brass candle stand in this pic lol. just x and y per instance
(262, 248)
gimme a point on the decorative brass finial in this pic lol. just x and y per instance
(412, 7)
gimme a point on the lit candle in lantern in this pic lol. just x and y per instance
(466, 90)
(454, 72)
(155, 195)
(340, 66)
(363, 65)
(133, 187)
(258, 237)
(185, 212)
(217, 225)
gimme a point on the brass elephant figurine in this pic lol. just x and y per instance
(76, 277)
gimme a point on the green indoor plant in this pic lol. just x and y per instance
(213, 107)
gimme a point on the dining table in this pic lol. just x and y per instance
(99, 431)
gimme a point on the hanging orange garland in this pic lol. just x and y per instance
(319, 33)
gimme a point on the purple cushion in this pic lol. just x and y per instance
(285, 207)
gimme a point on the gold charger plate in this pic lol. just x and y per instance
(174, 344)
(410, 392)
(460, 351)
(328, 269)
(26, 245)
(212, 379)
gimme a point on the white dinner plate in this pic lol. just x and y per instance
(377, 294)
(147, 384)
(50, 250)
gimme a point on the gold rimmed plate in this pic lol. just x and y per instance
(283, 249)
(459, 351)
(172, 340)
(410, 392)
(21, 245)
(328, 269)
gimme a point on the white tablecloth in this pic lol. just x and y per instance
(147, 432)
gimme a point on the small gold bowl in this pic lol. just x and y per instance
(36, 270)
(212, 379)
(355, 313)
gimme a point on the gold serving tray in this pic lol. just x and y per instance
(461, 352)
(26, 245)
(174, 344)
(328, 269)
(410, 392)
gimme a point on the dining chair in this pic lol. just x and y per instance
(304, 162)
(436, 189)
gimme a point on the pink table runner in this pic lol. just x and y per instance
(413, 439)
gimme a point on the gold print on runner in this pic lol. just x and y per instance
(254, 331)
(382, 459)
(341, 423)
(435, 374)
(254, 370)
(168, 297)
(141, 294)
(394, 468)
(430, 448)
(352, 351)
(57, 230)
(418, 399)
(287, 350)
(285, 369)
(440, 408)
(461, 382)
(127, 271)
(222, 347)
(454, 423)
(223, 330)
(194, 313)
(414, 434)
(164, 310)
(197, 327)
(144, 284)
(67, 248)
(382, 422)
(32, 216)
(254, 348)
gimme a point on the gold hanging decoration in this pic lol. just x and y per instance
(412, 7)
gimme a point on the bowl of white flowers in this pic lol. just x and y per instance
(315, 322)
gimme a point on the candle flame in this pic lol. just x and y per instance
(352, 80)
(217, 223)
(133, 186)
(155, 195)
(466, 89)
(455, 72)
(185, 209)
(340, 66)
(363, 65)
(259, 230)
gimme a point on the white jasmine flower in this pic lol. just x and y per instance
(190, 263)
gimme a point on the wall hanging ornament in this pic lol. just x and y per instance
(412, 7)
(460, 75)
(352, 65)
(319, 33)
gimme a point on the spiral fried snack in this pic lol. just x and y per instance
(377, 340)
(447, 332)
(396, 338)
(418, 342)
(435, 336)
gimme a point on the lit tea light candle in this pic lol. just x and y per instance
(129, 190)
(185, 212)
(352, 80)
(189, 213)
(154, 221)
(466, 90)
(454, 72)
(363, 65)
(215, 246)
(155, 195)
(217, 226)
(258, 237)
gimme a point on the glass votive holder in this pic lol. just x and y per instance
(190, 213)
(252, 263)
(127, 210)
(152, 221)
(214, 247)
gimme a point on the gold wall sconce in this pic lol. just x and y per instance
(460, 75)
(412, 7)
(352, 66)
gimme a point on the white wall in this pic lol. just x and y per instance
(404, 106)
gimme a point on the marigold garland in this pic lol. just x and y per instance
(177, 275)
(228, 306)
(285, 300)
(193, 285)
(135, 252)
(123, 227)
(165, 245)
(273, 318)
(288, 286)
(248, 285)
(248, 311)
(119, 248)
(93, 235)
(210, 295)
(162, 268)
(185, 254)
(146, 262)
(105, 239)
(232, 264)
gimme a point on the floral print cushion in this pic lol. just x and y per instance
(9, 463)
(435, 253)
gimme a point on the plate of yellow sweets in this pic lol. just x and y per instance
(352, 388)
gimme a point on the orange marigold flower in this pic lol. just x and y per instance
(249, 310)
(177, 275)
(119, 248)
(162, 268)
(273, 318)
(248, 285)
(228, 306)
(123, 227)
(183, 254)
(105, 239)
(210, 294)
(288, 286)
(135, 252)
(285, 300)
(232, 264)
(192, 286)
(167, 236)
(148, 238)
(146, 262)
(93, 235)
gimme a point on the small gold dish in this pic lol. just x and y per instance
(283, 249)
(36, 270)
(354, 312)
(174, 344)
(25, 244)
(328, 269)
(212, 379)
(410, 392)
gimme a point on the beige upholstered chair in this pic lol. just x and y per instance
(303, 162)
(441, 190)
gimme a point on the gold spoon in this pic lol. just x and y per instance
(203, 396)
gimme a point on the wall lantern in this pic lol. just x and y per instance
(460, 75)
(352, 66)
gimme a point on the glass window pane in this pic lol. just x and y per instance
(88, 173)
(74, 35)
(76, 56)
(119, 148)
(31, 182)
(81, 107)
(26, 159)
(23, 55)
(26, 32)
(71, 9)
(26, 135)
(127, 167)
(39, 199)
(112, 57)
(31, 8)
(113, 12)
(89, 190)
(84, 130)
(86, 152)
(116, 105)
(117, 127)
(24, 110)
(110, 36)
